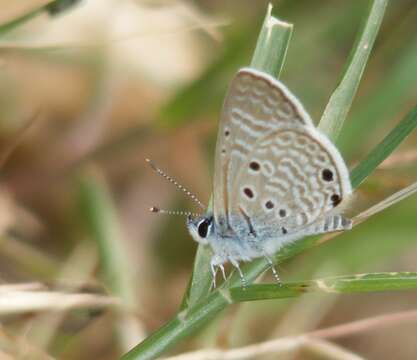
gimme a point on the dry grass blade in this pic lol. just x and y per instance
(319, 347)
(28, 257)
(17, 347)
(77, 270)
(32, 286)
(326, 350)
(389, 201)
(292, 342)
(4, 156)
(18, 302)
(16, 46)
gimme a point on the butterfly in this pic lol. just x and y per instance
(277, 178)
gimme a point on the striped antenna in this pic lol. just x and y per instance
(155, 209)
(173, 181)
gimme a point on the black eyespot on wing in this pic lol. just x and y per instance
(282, 213)
(254, 165)
(226, 133)
(203, 227)
(284, 230)
(269, 204)
(248, 192)
(327, 175)
(336, 199)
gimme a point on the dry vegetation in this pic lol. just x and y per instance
(89, 92)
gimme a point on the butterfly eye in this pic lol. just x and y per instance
(203, 228)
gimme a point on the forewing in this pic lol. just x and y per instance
(255, 106)
(292, 177)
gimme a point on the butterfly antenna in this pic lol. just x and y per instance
(155, 209)
(173, 181)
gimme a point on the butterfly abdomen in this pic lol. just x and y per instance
(332, 223)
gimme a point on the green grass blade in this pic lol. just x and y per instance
(59, 6)
(191, 319)
(341, 100)
(384, 148)
(177, 329)
(101, 220)
(387, 96)
(12, 24)
(271, 47)
(103, 224)
(372, 282)
(200, 282)
(53, 7)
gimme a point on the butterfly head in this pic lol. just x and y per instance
(201, 228)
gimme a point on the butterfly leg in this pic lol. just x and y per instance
(223, 272)
(273, 269)
(242, 278)
(213, 273)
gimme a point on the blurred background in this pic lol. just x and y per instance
(89, 91)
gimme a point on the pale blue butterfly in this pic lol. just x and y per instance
(276, 177)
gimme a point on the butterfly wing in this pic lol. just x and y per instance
(293, 177)
(256, 105)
